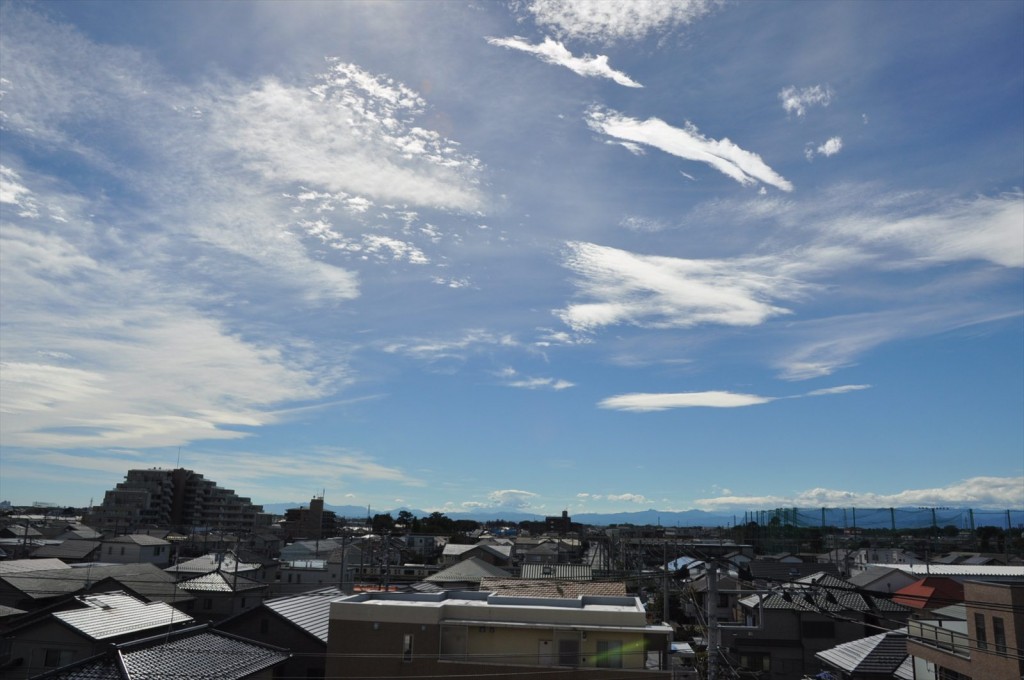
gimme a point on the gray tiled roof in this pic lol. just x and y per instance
(138, 539)
(198, 654)
(878, 654)
(468, 571)
(309, 611)
(208, 655)
(211, 562)
(145, 579)
(72, 549)
(823, 592)
(9, 567)
(551, 588)
(220, 582)
(110, 615)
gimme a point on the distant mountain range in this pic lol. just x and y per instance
(865, 518)
(643, 517)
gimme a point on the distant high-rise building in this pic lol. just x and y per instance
(180, 499)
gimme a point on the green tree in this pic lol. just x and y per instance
(382, 524)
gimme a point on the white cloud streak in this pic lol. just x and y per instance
(665, 292)
(976, 492)
(648, 402)
(721, 154)
(554, 52)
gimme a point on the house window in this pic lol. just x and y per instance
(756, 662)
(110, 550)
(122, 549)
(947, 674)
(999, 635)
(980, 634)
(723, 600)
(207, 603)
(609, 654)
(55, 658)
(407, 647)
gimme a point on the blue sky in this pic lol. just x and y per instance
(525, 256)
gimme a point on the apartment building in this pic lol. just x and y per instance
(180, 498)
(456, 633)
(987, 644)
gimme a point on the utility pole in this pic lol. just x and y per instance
(712, 619)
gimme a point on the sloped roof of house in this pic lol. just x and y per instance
(548, 588)
(110, 615)
(145, 579)
(469, 570)
(309, 611)
(878, 654)
(823, 593)
(211, 562)
(9, 567)
(930, 592)
(566, 572)
(138, 539)
(220, 582)
(502, 552)
(71, 549)
(196, 653)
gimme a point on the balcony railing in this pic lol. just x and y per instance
(927, 633)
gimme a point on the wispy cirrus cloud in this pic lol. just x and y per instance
(639, 402)
(608, 21)
(688, 143)
(797, 100)
(512, 378)
(554, 52)
(665, 292)
(453, 347)
(977, 492)
(634, 498)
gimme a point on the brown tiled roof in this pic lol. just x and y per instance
(549, 588)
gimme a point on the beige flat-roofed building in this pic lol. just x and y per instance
(463, 633)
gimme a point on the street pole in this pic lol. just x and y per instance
(712, 620)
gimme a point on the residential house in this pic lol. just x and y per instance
(545, 587)
(792, 622)
(134, 548)
(87, 628)
(226, 562)
(219, 595)
(425, 547)
(559, 572)
(191, 653)
(466, 574)
(930, 593)
(71, 551)
(298, 623)
(477, 633)
(498, 555)
(988, 644)
(31, 590)
(877, 657)
(299, 576)
(882, 579)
